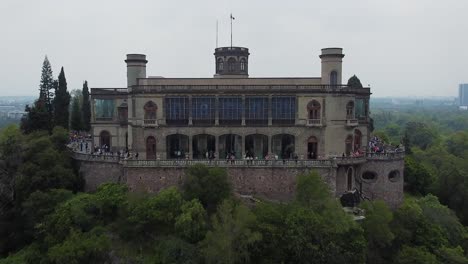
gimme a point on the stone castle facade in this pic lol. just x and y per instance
(267, 123)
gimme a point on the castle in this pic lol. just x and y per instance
(263, 130)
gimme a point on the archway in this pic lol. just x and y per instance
(256, 146)
(105, 139)
(230, 144)
(312, 148)
(150, 148)
(203, 146)
(283, 145)
(357, 140)
(177, 146)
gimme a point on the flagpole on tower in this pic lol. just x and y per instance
(232, 18)
(216, 33)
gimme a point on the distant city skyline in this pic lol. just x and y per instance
(401, 48)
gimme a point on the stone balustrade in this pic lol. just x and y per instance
(330, 162)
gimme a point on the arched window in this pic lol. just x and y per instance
(231, 64)
(220, 65)
(314, 110)
(105, 140)
(243, 65)
(151, 148)
(357, 140)
(333, 78)
(150, 111)
(350, 110)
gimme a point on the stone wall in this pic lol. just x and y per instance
(274, 183)
(96, 173)
(266, 182)
(382, 187)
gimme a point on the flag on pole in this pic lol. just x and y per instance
(232, 17)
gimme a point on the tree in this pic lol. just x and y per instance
(378, 231)
(354, 82)
(191, 223)
(62, 101)
(40, 115)
(86, 108)
(46, 94)
(232, 235)
(415, 255)
(76, 122)
(418, 178)
(209, 185)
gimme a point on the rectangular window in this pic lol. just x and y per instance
(256, 111)
(104, 109)
(177, 110)
(203, 110)
(230, 110)
(283, 110)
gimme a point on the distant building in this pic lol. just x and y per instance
(463, 95)
(16, 114)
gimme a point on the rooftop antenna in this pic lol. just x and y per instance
(216, 33)
(232, 18)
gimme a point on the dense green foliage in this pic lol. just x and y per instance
(52, 107)
(86, 107)
(437, 140)
(48, 219)
(61, 101)
(76, 120)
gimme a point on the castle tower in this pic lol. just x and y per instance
(136, 68)
(332, 59)
(232, 62)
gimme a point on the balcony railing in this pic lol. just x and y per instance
(229, 163)
(352, 122)
(150, 122)
(314, 122)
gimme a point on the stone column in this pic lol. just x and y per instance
(243, 144)
(190, 148)
(161, 147)
(216, 146)
(216, 111)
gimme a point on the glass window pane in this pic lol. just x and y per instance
(177, 110)
(104, 108)
(230, 110)
(256, 110)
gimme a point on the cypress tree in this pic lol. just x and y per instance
(62, 101)
(76, 123)
(86, 108)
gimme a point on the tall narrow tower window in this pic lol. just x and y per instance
(243, 64)
(220, 65)
(231, 64)
(333, 78)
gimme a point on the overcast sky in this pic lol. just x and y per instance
(399, 47)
